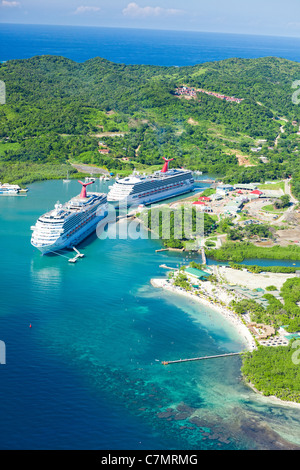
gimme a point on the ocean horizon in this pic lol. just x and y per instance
(139, 46)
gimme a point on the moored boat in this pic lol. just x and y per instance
(141, 189)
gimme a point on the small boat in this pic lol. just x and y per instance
(67, 180)
(7, 189)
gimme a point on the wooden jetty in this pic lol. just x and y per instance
(165, 363)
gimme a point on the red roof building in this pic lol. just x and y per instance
(256, 191)
(204, 198)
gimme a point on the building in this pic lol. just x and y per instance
(216, 197)
(222, 192)
(246, 187)
(225, 187)
(233, 207)
(197, 274)
(204, 198)
(257, 193)
(199, 203)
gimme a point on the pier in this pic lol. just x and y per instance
(166, 267)
(203, 255)
(165, 363)
(205, 181)
(78, 255)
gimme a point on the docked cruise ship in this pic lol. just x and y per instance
(70, 223)
(163, 184)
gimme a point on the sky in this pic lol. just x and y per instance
(266, 17)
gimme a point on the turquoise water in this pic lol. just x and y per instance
(88, 373)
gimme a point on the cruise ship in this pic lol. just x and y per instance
(68, 224)
(163, 184)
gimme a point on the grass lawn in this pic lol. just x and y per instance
(8, 146)
(276, 186)
(270, 208)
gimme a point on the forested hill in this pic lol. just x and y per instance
(58, 110)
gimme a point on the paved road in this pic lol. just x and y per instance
(90, 169)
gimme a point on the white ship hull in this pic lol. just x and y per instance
(151, 199)
(63, 243)
(69, 224)
(9, 193)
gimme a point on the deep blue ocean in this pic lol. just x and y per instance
(137, 46)
(88, 373)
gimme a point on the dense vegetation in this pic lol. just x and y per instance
(249, 231)
(237, 252)
(274, 371)
(277, 314)
(175, 226)
(57, 111)
(269, 269)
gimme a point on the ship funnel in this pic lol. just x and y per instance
(166, 165)
(83, 190)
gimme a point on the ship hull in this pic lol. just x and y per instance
(130, 201)
(66, 243)
(9, 193)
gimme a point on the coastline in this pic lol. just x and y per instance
(273, 398)
(225, 311)
(231, 316)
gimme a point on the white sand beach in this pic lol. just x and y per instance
(230, 316)
(225, 311)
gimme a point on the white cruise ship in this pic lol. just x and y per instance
(163, 184)
(70, 223)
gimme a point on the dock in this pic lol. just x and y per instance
(165, 363)
(208, 181)
(203, 255)
(166, 267)
(78, 255)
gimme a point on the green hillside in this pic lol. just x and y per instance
(58, 110)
